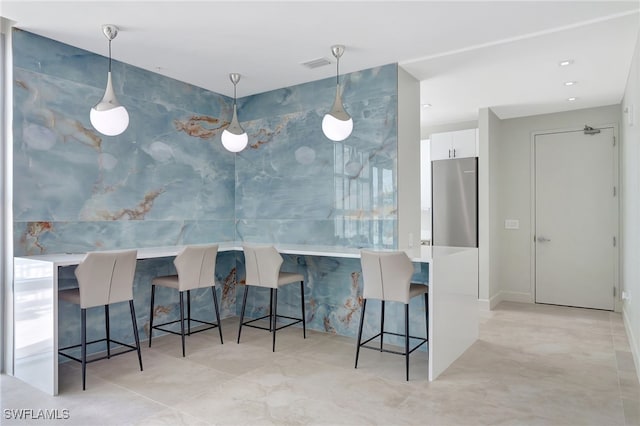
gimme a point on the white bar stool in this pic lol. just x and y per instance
(196, 267)
(104, 278)
(387, 277)
(262, 266)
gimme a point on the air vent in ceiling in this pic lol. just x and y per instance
(316, 63)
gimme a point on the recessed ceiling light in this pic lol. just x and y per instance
(566, 62)
(570, 83)
(571, 99)
(426, 105)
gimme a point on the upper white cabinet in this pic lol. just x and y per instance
(458, 144)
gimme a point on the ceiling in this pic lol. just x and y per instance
(467, 55)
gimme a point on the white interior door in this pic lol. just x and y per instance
(576, 219)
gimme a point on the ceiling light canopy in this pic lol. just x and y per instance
(337, 124)
(570, 83)
(108, 116)
(565, 63)
(234, 138)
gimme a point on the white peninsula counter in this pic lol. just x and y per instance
(453, 310)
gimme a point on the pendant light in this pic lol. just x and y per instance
(108, 116)
(353, 166)
(234, 138)
(337, 124)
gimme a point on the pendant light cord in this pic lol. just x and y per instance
(234, 94)
(337, 70)
(109, 55)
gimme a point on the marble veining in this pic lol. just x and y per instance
(290, 185)
(167, 180)
(166, 168)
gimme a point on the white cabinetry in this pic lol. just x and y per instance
(458, 144)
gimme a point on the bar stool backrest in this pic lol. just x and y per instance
(196, 266)
(262, 266)
(386, 275)
(106, 277)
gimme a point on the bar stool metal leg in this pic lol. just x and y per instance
(304, 321)
(275, 316)
(426, 312)
(83, 355)
(382, 325)
(106, 321)
(135, 331)
(364, 306)
(182, 320)
(406, 337)
(270, 309)
(215, 306)
(244, 305)
(153, 292)
(189, 312)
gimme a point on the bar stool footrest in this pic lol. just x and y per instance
(211, 326)
(248, 323)
(422, 340)
(131, 348)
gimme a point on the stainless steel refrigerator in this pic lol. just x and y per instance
(454, 202)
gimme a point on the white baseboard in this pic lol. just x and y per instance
(633, 341)
(517, 296)
(508, 296)
(484, 305)
(495, 300)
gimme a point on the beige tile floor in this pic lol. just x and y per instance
(533, 365)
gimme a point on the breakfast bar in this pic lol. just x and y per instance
(451, 274)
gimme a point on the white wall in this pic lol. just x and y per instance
(630, 189)
(427, 131)
(513, 186)
(408, 160)
(425, 190)
(488, 263)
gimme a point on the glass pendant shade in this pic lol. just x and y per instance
(108, 116)
(234, 138)
(353, 166)
(337, 125)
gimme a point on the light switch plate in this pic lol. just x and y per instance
(511, 224)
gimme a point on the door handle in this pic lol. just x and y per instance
(543, 240)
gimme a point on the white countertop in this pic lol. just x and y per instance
(417, 254)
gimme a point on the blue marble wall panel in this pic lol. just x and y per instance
(292, 182)
(167, 180)
(33, 238)
(77, 190)
(166, 304)
(333, 296)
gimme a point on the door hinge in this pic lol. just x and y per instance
(614, 191)
(614, 241)
(614, 141)
(615, 292)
